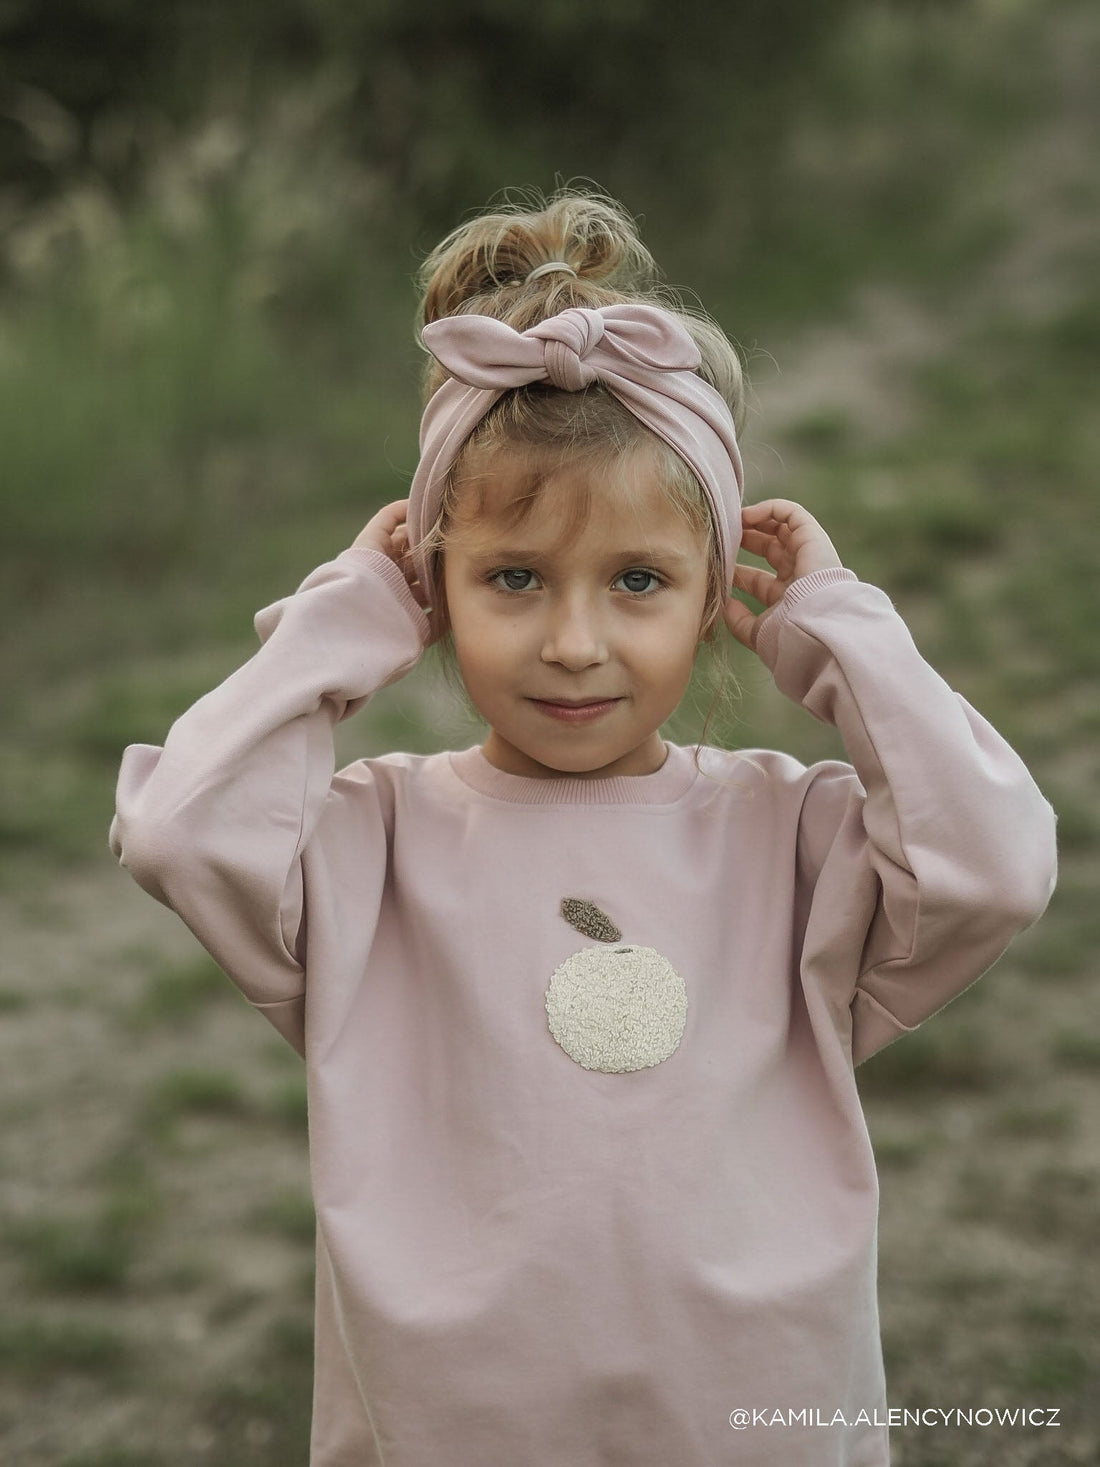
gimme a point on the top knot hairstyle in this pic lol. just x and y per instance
(522, 264)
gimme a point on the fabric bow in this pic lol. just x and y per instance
(640, 353)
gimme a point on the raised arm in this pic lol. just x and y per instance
(928, 866)
(214, 824)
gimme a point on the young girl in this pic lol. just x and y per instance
(579, 1007)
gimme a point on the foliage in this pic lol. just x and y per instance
(435, 99)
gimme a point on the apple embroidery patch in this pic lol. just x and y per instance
(616, 1007)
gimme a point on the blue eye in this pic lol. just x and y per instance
(512, 579)
(632, 578)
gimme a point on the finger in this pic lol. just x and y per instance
(768, 532)
(740, 620)
(798, 544)
(759, 583)
(757, 541)
(768, 545)
(392, 515)
(789, 523)
(782, 511)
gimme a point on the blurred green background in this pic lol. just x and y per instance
(209, 220)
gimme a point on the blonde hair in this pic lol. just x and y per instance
(482, 268)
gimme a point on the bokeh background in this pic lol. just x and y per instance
(210, 215)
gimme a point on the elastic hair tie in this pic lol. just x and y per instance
(546, 269)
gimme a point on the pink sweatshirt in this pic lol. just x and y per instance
(564, 1220)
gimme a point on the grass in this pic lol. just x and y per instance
(1080, 1051)
(902, 1153)
(1055, 1369)
(268, 1409)
(113, 1457)
(962, 1284)
(206, 1093)
(287, 1103)
(1063, 948)
(73, 1255)
(94, 1251)
(1049, 1202)
(944, 1056)
(1047, 1122)
(180, 994)
(290, 1214)
(35, 1348)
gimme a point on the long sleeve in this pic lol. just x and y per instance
(214, 824)
(941, 852)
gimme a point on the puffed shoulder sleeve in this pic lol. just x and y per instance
(938, 849)
(214, 823)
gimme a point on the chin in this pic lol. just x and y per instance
(594, 765)
(575, 761)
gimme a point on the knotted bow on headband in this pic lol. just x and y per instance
(641, 354)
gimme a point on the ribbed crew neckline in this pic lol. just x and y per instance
(663, 787)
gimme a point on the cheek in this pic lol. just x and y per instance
(462, 610)
(674, 642)
(669, 669)
(483, 647)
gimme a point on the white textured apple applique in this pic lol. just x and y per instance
(614, 1008)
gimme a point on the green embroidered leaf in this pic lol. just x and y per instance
(587, 918)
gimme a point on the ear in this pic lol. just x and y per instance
(439, 616)
(439, 622)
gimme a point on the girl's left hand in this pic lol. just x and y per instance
(793, 544)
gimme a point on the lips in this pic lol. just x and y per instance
(577, 712)
(575, 702)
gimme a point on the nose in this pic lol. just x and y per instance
(575, 636)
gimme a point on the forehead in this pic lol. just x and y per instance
(576, 506)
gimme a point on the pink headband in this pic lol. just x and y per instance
(641, 354)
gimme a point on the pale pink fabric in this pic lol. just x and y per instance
(523, 1263)
(640, 353)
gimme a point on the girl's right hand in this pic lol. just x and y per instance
(389, 533)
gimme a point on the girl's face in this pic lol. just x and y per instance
(610, 621)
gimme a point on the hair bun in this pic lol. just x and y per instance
(486, 264)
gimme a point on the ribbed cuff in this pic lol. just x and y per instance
(766, 638)
(390, 572)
